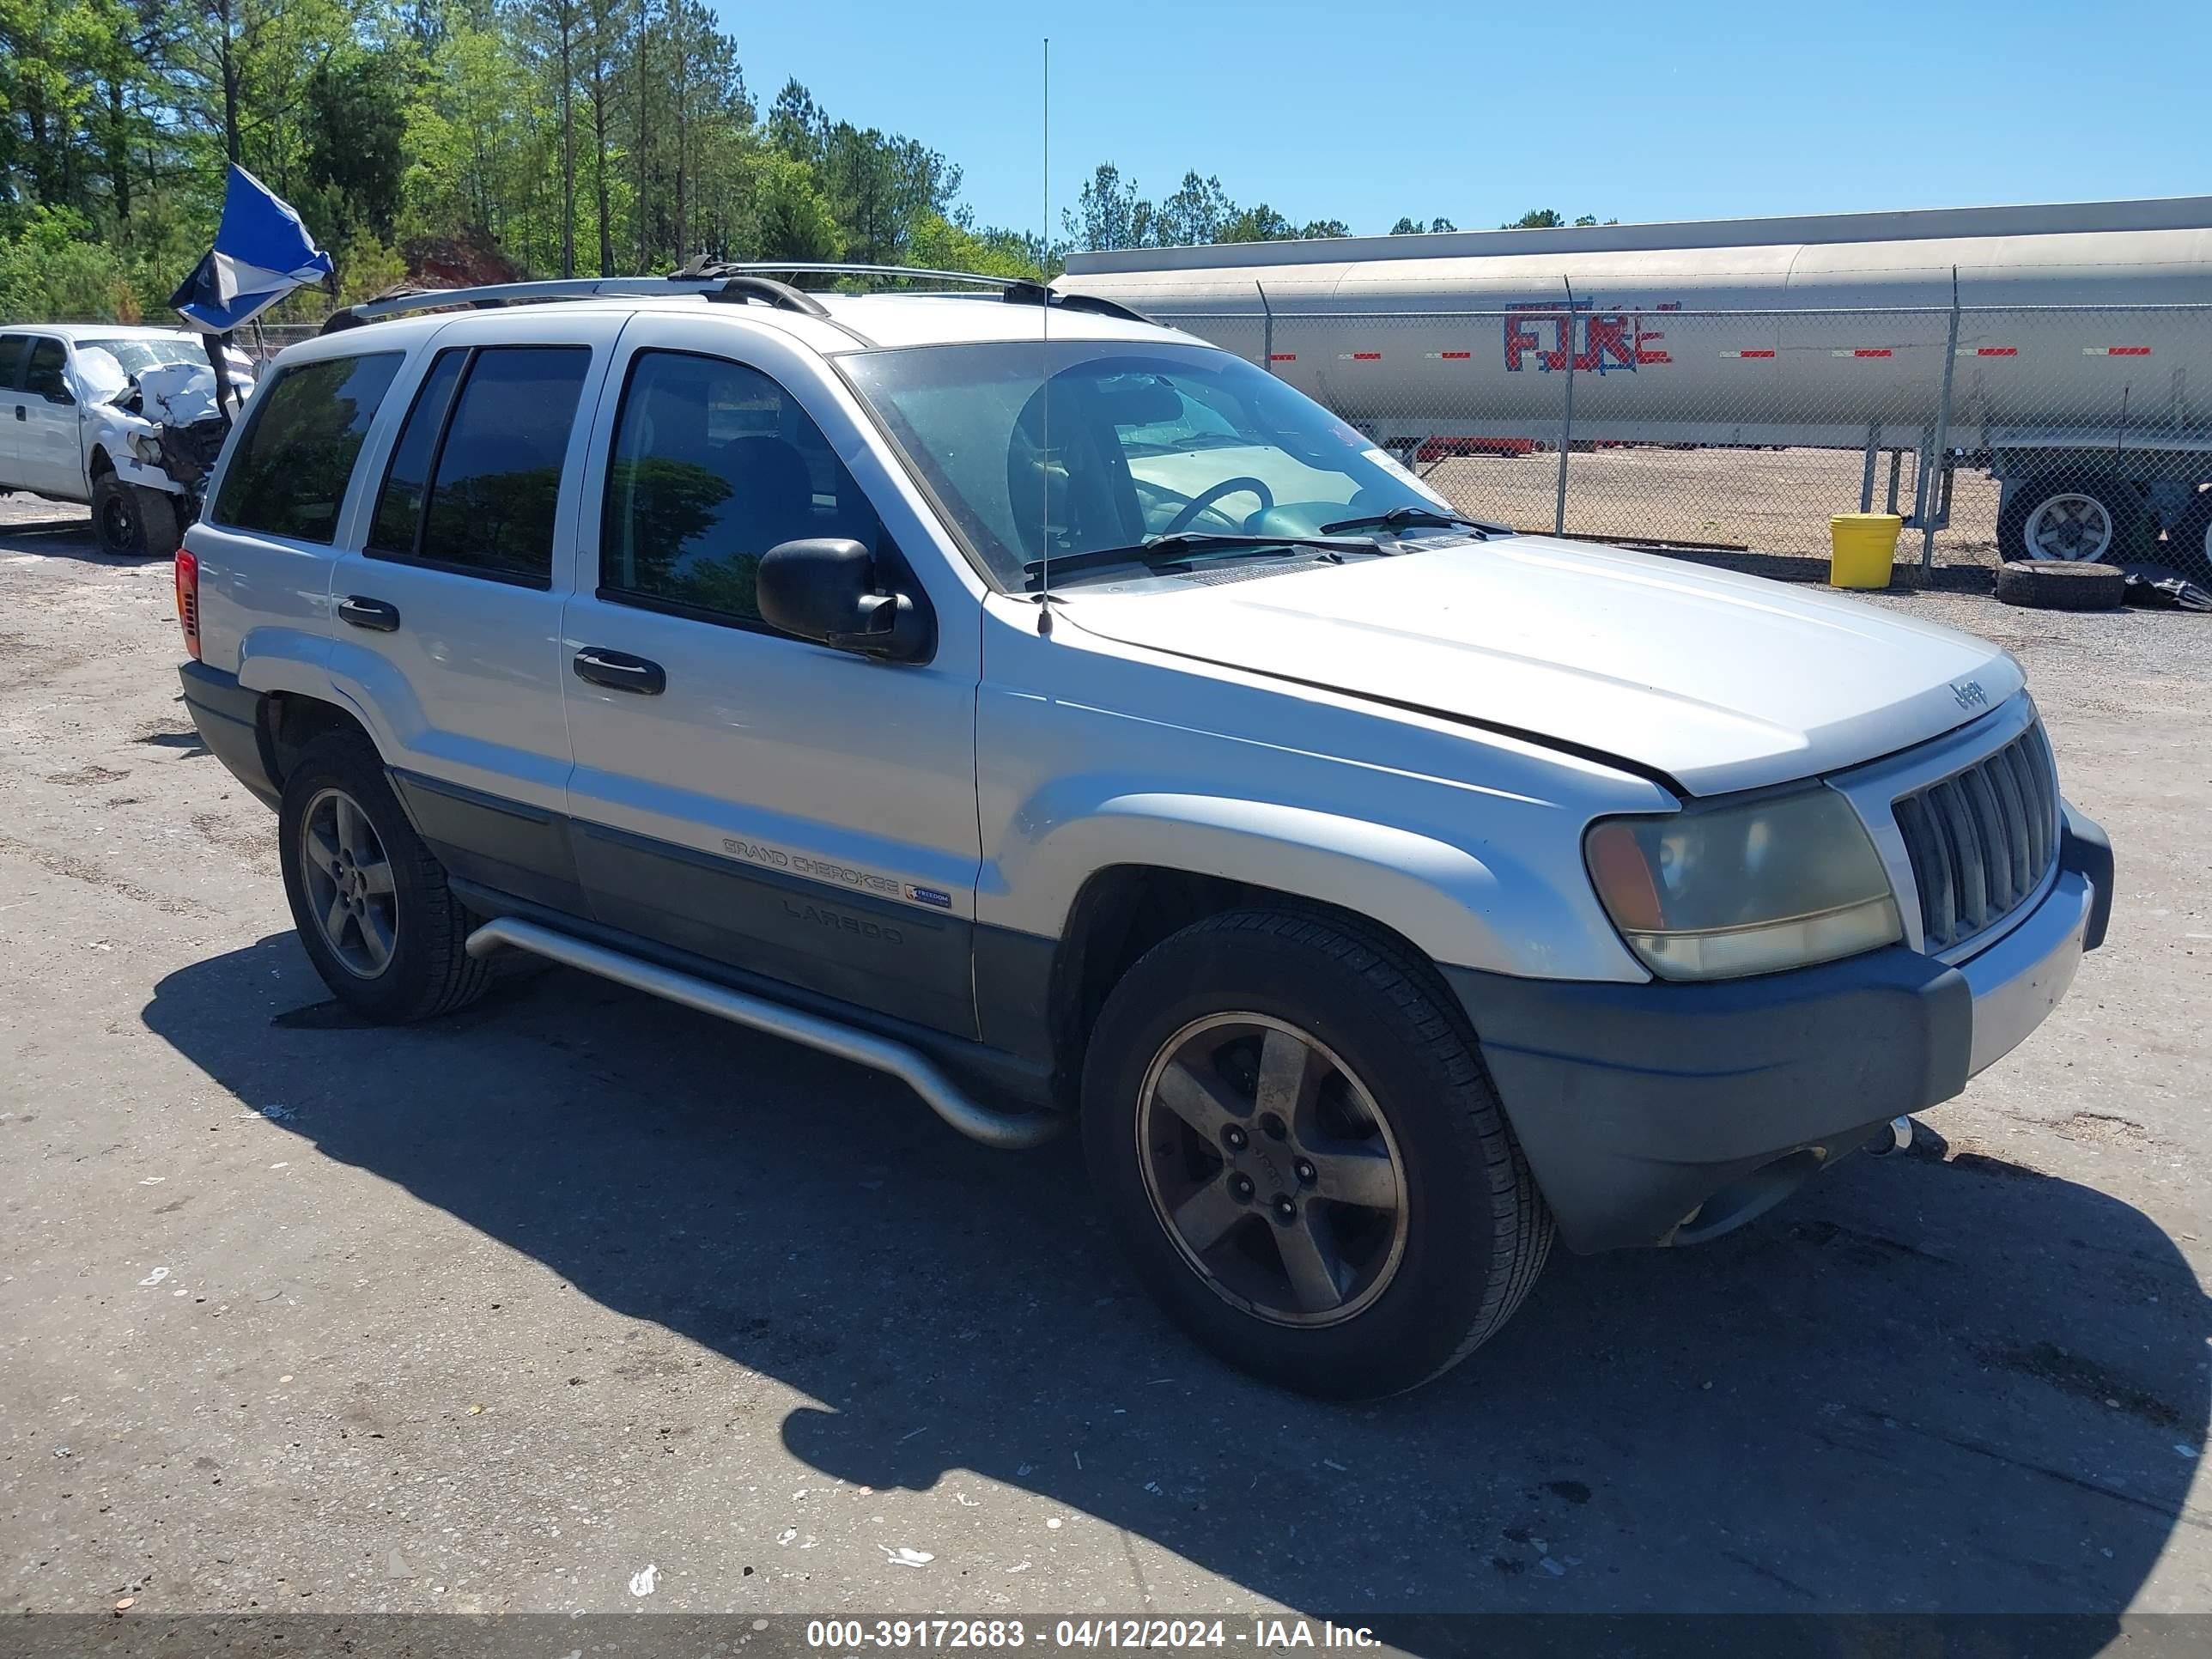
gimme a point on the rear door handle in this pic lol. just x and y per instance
(373, 614)
(19, 415)
(620, 672)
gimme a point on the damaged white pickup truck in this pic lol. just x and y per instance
(122, 419)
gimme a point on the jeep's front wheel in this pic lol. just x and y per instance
(1300, 1147)
(368, 898)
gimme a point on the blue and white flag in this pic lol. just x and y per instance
(261, 253)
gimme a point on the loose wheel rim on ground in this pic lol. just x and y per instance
(347, 876)
(1272, 1169)
(2072, 526)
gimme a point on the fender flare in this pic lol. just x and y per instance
(1460, 906)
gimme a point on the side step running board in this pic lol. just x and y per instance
(1010, 1130)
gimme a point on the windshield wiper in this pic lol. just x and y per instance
(1176, 548)
(1419, 518)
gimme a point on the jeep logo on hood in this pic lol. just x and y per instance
(1969, 693)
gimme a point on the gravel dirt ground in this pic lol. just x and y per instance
(582, 1302)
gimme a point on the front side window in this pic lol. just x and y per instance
(476, 476)
(303, 433)
(1060, 447)
(43, 379)
(714, 464)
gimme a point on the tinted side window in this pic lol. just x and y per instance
(12, 346)
(495, 469)
(303, 433)
(399, 504)
(43, 379)
(714, 464)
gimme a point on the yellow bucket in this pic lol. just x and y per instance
(1865, 547)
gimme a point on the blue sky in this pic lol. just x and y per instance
(1363, 112)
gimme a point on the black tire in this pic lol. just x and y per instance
(161, 521)
(2189, 544)
(2125, 525)
(116, 525)
(1476, 1230)
(2061, 585)
(429, 972)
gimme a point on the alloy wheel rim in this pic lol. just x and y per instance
(1272, 1169)
(348, 877)
(116, 522)
(2069, 526)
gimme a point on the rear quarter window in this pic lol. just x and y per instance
(303, 434)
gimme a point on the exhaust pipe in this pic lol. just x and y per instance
(1895, 1136)
(1012, 1131)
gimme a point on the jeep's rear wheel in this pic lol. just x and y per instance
(1296, 1140)
(368, 898)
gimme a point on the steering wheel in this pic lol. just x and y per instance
(1199, 503)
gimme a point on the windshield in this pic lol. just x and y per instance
(136, 357)
(1036, 448)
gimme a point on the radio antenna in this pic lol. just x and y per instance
(1044, 368)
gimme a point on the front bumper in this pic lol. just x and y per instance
(1660, 1113)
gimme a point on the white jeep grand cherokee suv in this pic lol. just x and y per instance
(1073, 720)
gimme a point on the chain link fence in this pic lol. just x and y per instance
(2074, 432)
(262, 342)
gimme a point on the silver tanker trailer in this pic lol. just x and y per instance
(2066, 349)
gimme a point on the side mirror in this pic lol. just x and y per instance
(825, 590)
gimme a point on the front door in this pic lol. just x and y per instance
(776, 805)
(51, 456)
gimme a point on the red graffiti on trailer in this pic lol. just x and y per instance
(1600, 342)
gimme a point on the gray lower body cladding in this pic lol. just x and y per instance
(229, 717)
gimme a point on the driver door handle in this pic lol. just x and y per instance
(619, 671)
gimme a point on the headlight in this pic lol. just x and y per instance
(1750, 888)
(146, 446)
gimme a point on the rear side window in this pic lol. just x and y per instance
(12, 346)
(714, 464)
(476, 475)
(43, 379)
(303, 433)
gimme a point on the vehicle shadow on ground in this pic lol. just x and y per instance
(66, 538)
(1926, 1385)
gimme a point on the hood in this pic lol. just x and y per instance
(1719, 681)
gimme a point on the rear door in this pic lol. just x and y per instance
(13, 415)
(777, 806)
(50, 458)
(448, 604)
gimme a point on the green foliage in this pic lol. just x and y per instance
(356, 127)
(1112, 213)
(49, 270)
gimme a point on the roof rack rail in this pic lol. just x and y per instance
(732, 280)
(1015, 290)
(711, 283)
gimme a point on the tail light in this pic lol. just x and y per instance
(188, 600)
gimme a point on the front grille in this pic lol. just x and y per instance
(1981, 840)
